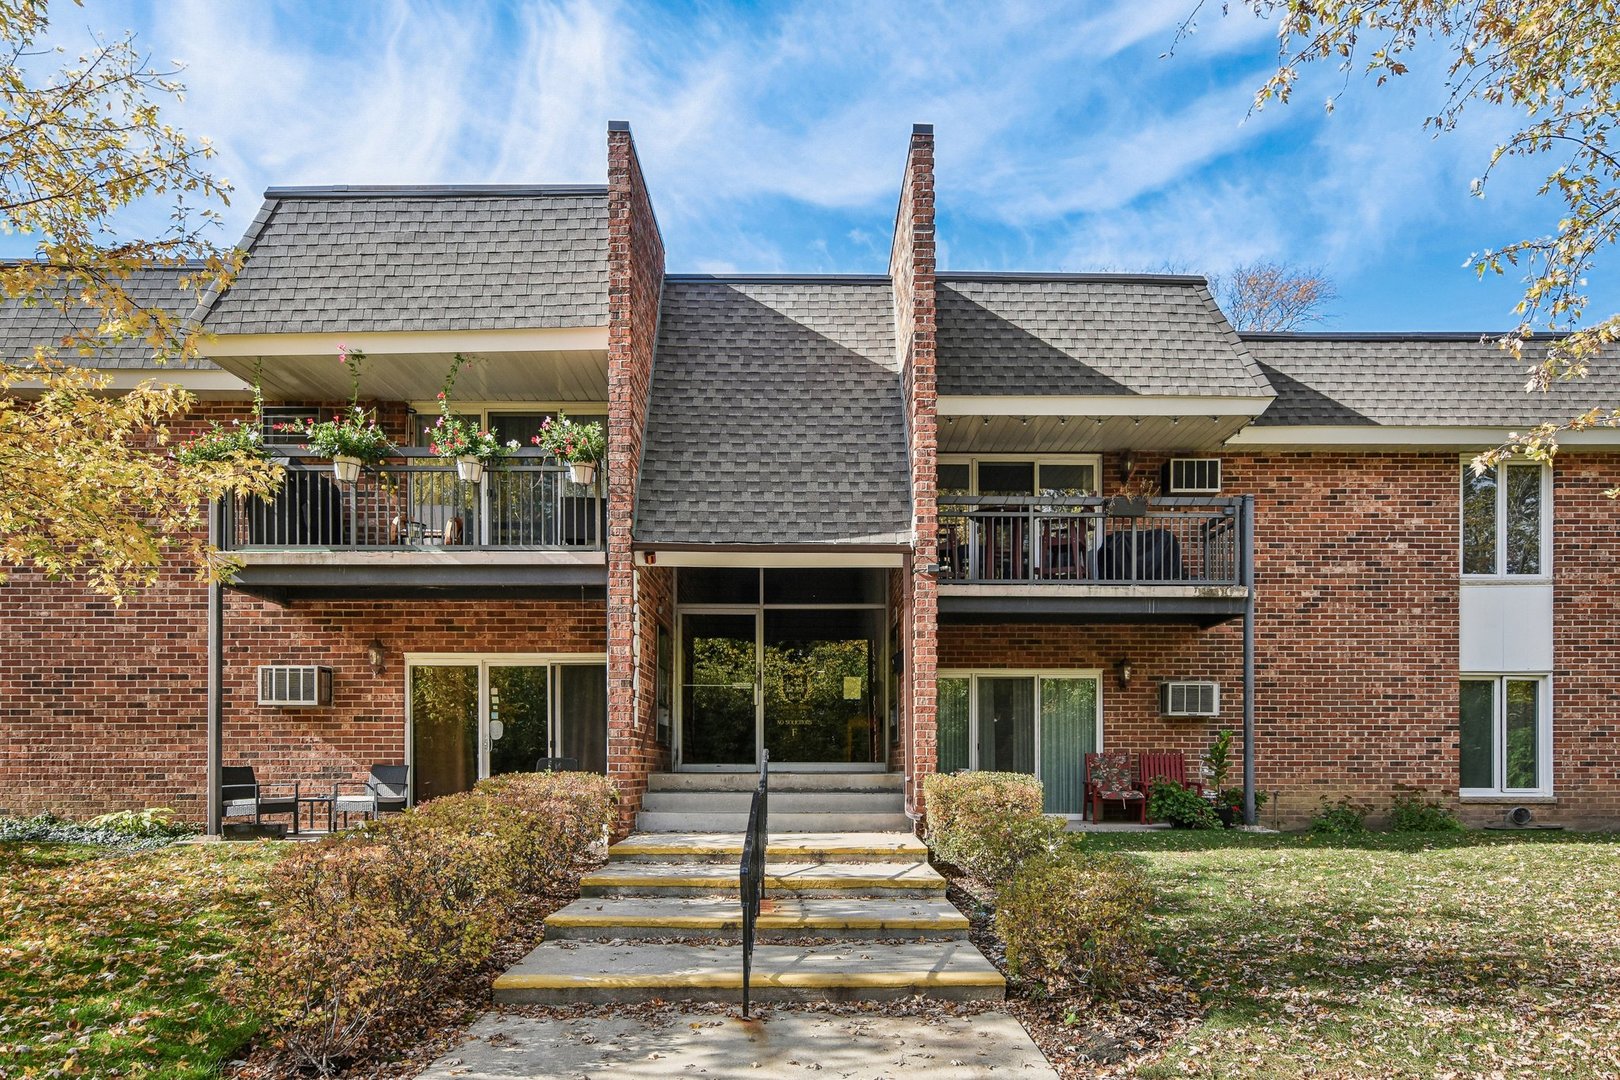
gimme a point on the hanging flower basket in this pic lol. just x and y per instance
(470, 468)
(582, 472)
(346, 469)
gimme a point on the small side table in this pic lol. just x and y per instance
(312, 801)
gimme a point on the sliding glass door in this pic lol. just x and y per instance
(1037, 723)
(472, 718)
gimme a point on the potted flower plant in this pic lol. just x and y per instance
(223, 442)
(579, 446)
(453, 438)
(1217, 767)
(1133, 499)
(351, 438)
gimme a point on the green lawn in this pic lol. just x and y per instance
(110, 960)
(1476, 954)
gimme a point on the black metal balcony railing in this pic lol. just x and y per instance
(1001, 539)
(415, 501)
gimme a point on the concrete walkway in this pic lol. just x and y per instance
(716, 1046)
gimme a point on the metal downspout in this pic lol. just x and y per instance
(216, 678)
(1250, 815)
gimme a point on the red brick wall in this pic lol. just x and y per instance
(911, 267)
(1586, 640)
(635, 282)
(1356, 565)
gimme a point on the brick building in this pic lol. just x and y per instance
(866, 523)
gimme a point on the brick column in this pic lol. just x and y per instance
(635, 283)
(911, 269)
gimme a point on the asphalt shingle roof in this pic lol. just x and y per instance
(1444, 380)
(1088, 335)
(22, 327)
(776, 415)
(332, 260)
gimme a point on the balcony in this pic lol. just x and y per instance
(409, 525)
(1079, 559)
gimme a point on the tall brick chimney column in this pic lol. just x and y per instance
(635, 284)
(911, 269)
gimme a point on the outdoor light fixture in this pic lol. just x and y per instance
(1126, 464)
(375, 656)
(1125, 672)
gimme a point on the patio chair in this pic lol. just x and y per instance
(241, 796)
(557, 764)
(1163, 765)
(387, 792)
(1108, 779)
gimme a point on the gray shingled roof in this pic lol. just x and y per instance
(776, 415)
(1443, 380)
(1088, 334)
(334, 260)
(22, 327)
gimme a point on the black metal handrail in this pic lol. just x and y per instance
(1176, 540)
(751, 872)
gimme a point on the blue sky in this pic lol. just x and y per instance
(772, 134)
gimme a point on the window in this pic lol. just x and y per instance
(507, 422)
(1018, 476)
(275, 417)
(1505, 523)
(1505, 729)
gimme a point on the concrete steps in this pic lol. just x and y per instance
(660, 918)
(800, 802)
(662, 921)
(793, 879)
(726, 848)
(641, 971)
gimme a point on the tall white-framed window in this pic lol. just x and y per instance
(1507, 520)
(1505, 729)
(1042, 722)
(1019, 474)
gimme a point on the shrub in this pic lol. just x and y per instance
(989, 823)
(1342, 818)
(369, 927)
(127, 830)
(1171, 802)
(1412, 812)
(1076, 921)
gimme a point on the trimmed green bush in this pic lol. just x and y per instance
(989, 823)
(1413, 812)
(370, 927)
(1342, 818)
(1076, 921)
(1171, 802)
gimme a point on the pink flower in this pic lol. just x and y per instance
(535, 440)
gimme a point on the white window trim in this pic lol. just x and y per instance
(1500, 574)
(973, 675)
(1544, 734)
(483, 662)
(429, 410)
(972, 462)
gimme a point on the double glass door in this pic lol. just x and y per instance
(803, 683)
(474, 718)
(1040, 724)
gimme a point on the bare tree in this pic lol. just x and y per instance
(1265, 295)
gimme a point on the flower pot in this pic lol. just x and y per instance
(346, 469)
(582, 472)
(1128, 506)
(1227, 814)
(469, 468)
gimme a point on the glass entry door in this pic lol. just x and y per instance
(818, 667)
(719, 688)
(469, 720)
(1043, 724)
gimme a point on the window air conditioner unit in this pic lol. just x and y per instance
(1192, 476)
(1190, 699)
(303, 685)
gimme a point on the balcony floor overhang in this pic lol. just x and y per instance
(286, 577)
(559, 364)
(1203, 605)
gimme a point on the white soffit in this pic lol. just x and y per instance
(1102, 405)
(1379, 437)
(401, 343)
(772, 560)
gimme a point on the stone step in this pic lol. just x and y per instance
(784, 878)
(899, 847)
(781, 802)
(780, 781)
(787, 918)
(684, 822)
(559, 973)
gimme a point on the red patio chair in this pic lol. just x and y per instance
(1108, 779)
(1163, 765)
